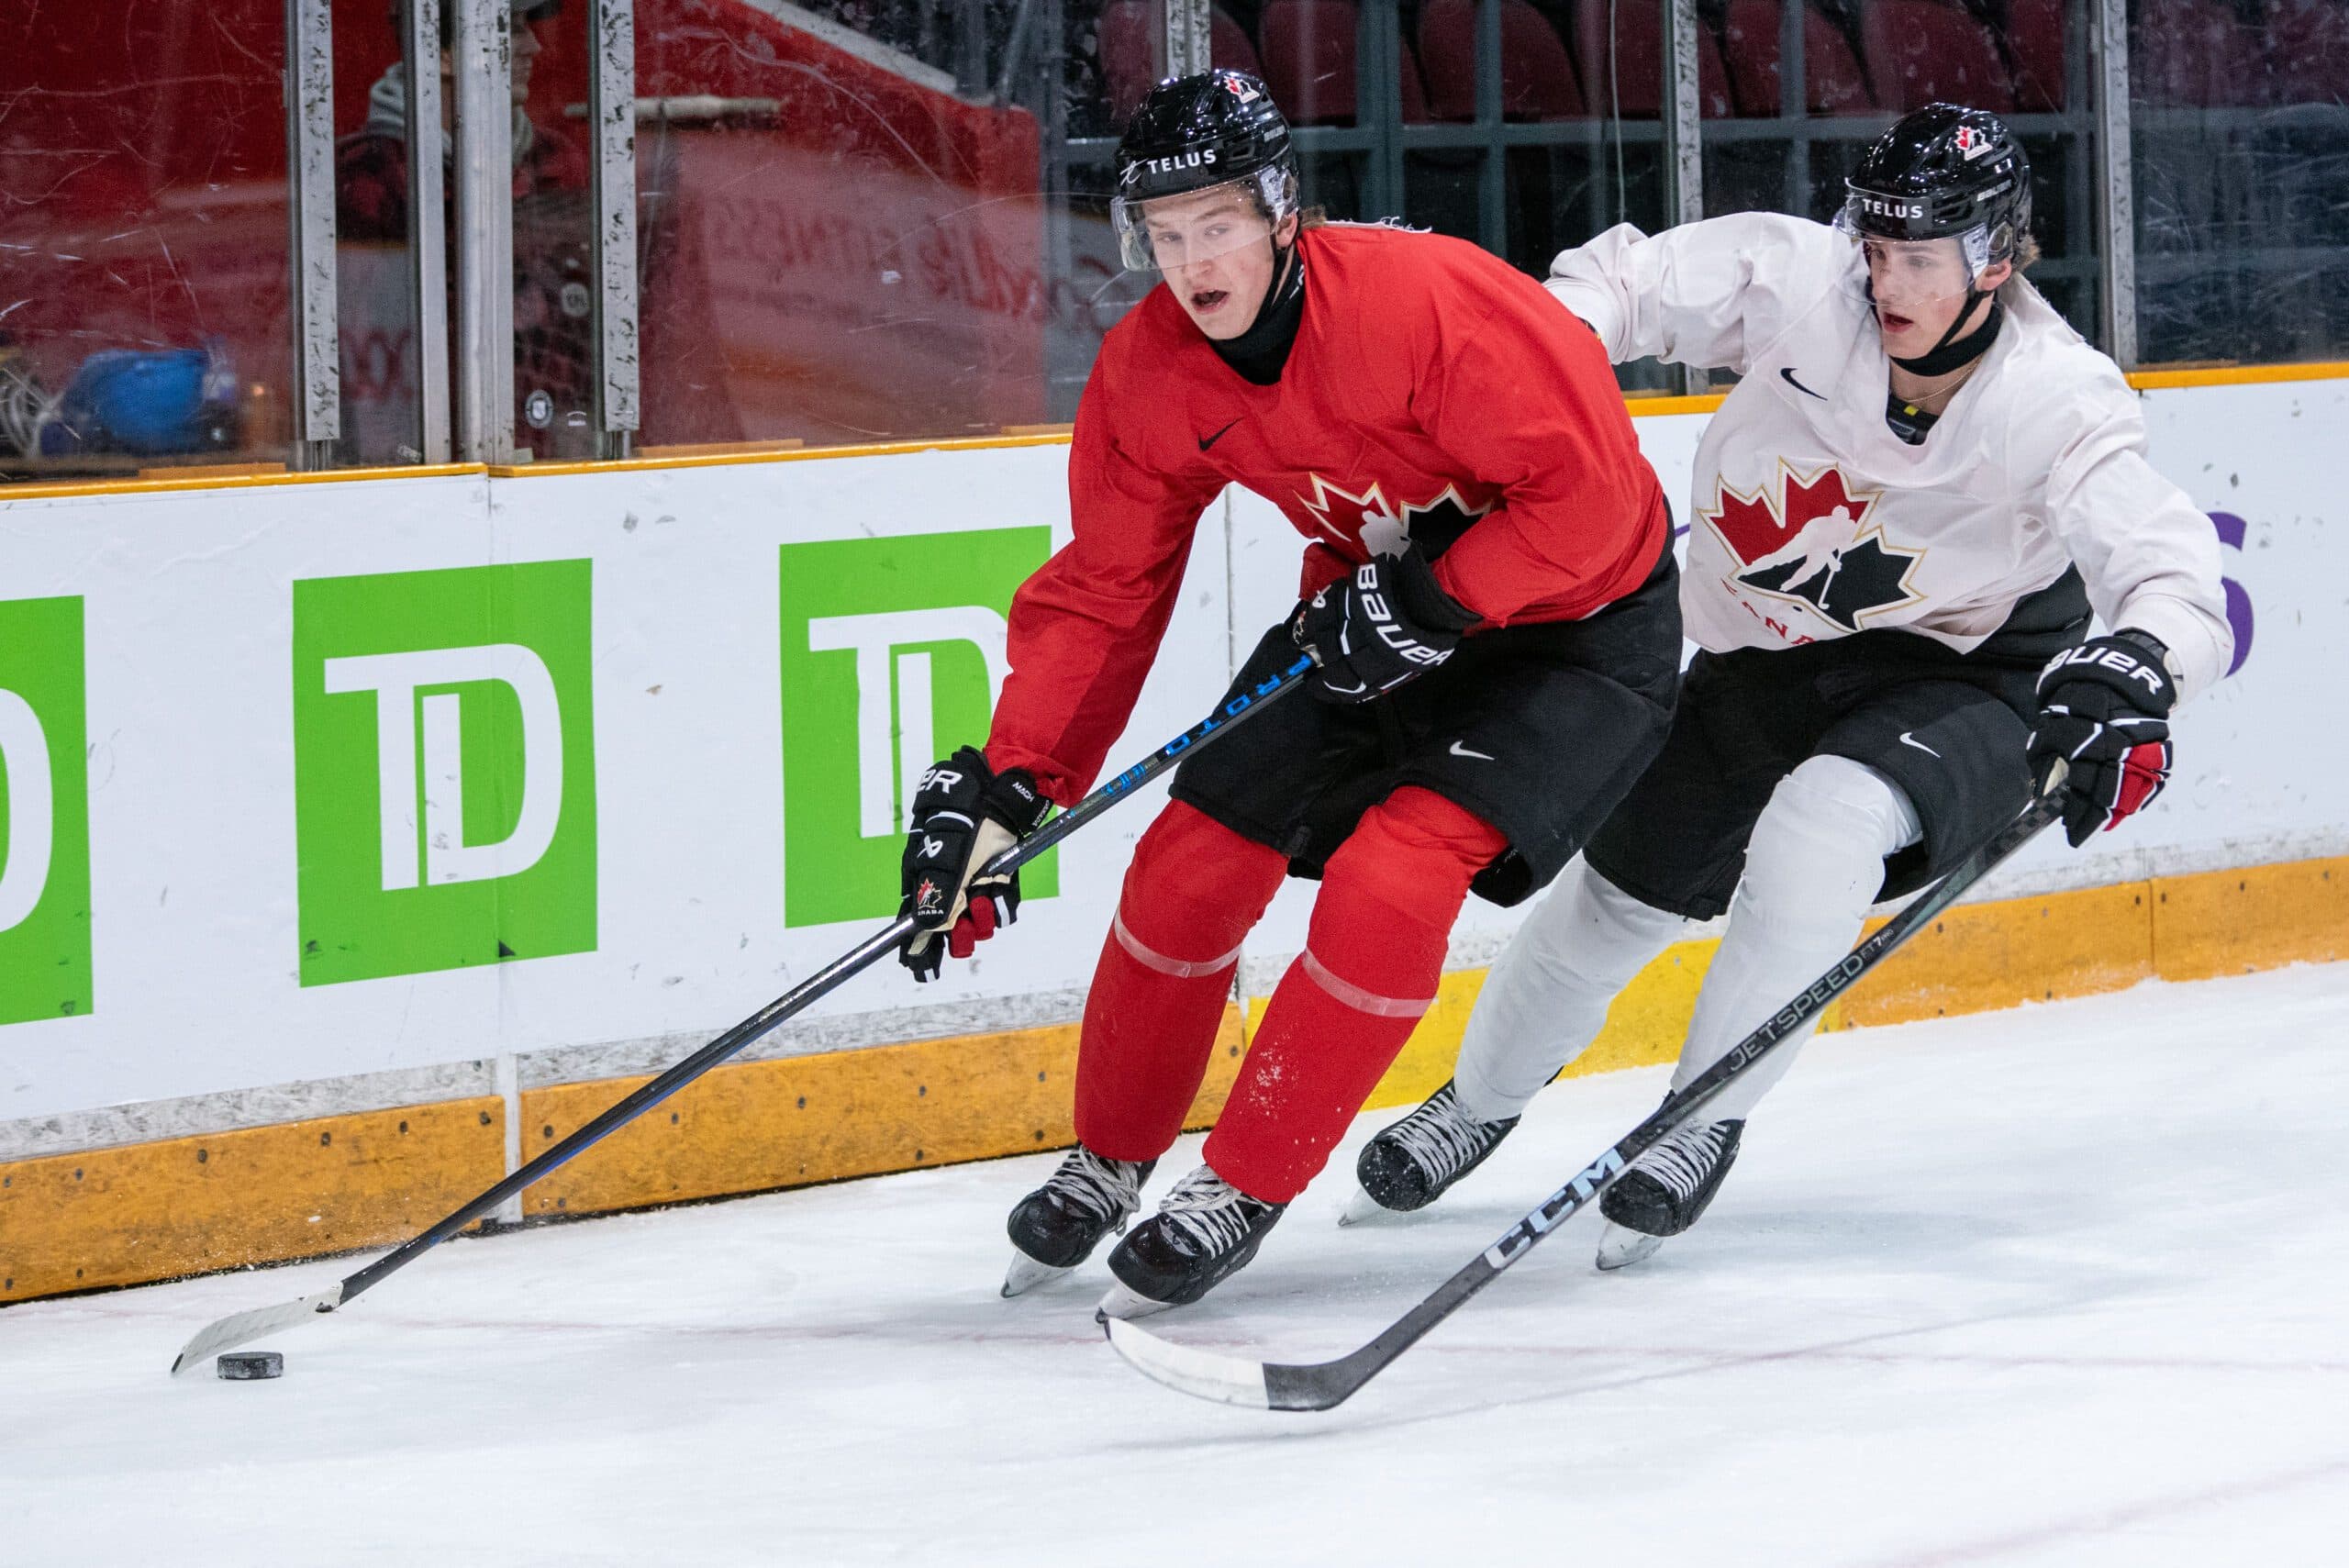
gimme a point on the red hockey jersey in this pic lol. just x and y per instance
(1434, 394)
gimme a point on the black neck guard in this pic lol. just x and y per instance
(1259, 353)
(1946, 356)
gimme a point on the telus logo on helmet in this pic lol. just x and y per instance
(1199, 160)
(1876, 207)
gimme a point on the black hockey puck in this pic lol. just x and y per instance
(245, 1365)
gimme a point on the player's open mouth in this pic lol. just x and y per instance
(1893, 321)
(1207, 301)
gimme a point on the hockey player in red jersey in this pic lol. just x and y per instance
(1490, 595)
(1904, 514)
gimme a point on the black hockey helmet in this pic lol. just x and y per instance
(1944, 171)
(1193, 133)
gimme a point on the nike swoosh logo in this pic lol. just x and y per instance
(1206, 441)
(1460, 750)
(1909, 738)
(1788, 375)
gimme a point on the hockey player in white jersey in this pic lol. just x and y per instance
(1904, 513)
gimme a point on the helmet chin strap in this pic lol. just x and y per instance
(1283, 258)
(1260, 350)
(1951, 351)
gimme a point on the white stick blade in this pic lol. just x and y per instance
(1227, 1380)
(244, 1328)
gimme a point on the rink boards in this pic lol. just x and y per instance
(362, 835)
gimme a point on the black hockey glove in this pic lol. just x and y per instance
(1375, 628)
(2104, 712)
(964, 814)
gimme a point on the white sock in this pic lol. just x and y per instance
(1814, 865)
(1547, 995)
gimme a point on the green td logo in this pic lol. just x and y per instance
(893, 655)
(444, 769)
(44, 813)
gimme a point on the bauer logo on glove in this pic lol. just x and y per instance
(2104, 713)
(1388, 622)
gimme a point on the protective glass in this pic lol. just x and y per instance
(1166, 232)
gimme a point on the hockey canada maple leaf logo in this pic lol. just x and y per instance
(1815, 543)
(1432, 525)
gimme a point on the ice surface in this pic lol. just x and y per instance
(2062, 1285)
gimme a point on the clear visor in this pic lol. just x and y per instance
(1914, 277)
(1166, 232)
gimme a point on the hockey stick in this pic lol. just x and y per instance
(243, 1328)
(1323, 1386)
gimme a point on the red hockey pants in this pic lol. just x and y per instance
(1374, 953)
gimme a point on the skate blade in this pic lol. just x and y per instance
(1363, 1209)
(1026, 1273)
(1619, 1248)
(1126, 1304)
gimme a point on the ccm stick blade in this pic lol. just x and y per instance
(246, 1326)
(1322, 1386)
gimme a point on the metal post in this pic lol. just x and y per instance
(428, 226)
(309, 150)
(969, 48)
(1684, 152)
(1492, 183)
(611, 108)
(1068, 348)
(1382, 66)
(1683, 109)
(484, 165)
(2117, 209)
(1189, 36)
(1793, 102)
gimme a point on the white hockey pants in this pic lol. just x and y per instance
(1812, 868)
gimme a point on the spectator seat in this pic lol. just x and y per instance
(1924, 52)
(1537, 74)
(1833, 80)
(1635, 88)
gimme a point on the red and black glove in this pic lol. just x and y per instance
(2104, 712)
(964, 814)
(1379, 626)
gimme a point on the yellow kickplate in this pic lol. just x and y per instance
(753, 1126)
(1978, 958)
(2230, 922)
(150, 1211)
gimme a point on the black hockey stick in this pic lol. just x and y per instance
(243, 1328)
(1322, 1386)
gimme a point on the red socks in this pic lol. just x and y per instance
(1193, 891)
(1374, 956)
(1335, 1023)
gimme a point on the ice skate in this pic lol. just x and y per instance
(1056, 1227)
(1204, 1231)
(1412, 1163)
(1665, 1191)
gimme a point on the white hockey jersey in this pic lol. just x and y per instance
(1811, 519)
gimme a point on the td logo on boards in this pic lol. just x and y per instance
(893, 655)
(44, 813)
(444, 769)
